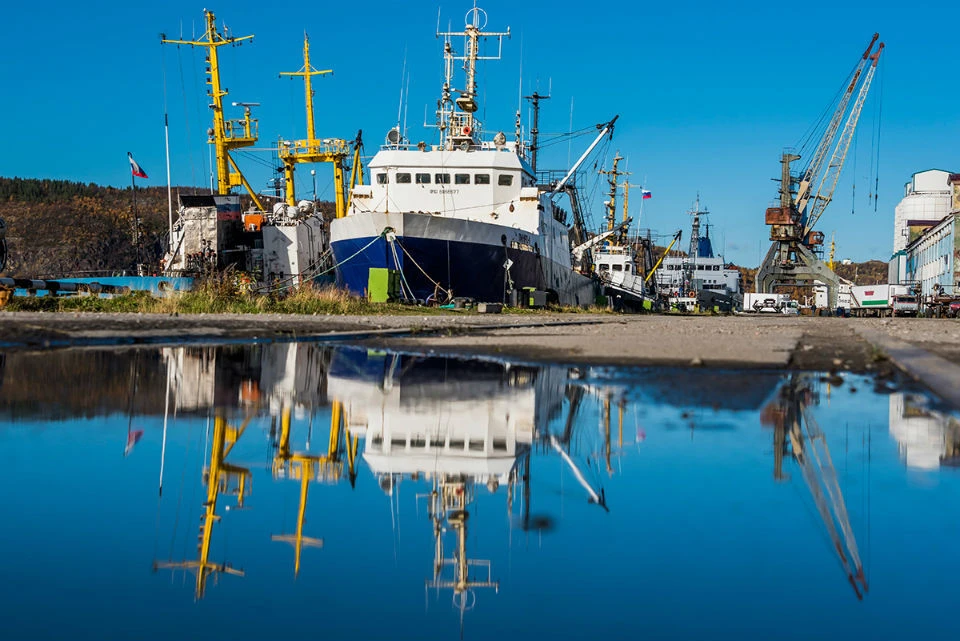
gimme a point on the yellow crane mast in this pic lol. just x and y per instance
(220, 477)
(225, 134)
(308, 468)
(312, 150)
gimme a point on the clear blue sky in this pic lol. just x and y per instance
(708, 94)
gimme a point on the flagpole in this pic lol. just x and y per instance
(163, 445)
(136, 219)
(166, 134)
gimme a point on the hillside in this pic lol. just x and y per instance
(58, 228)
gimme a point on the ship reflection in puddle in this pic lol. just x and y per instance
(471, 447)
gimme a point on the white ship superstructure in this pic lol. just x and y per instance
(464, 217)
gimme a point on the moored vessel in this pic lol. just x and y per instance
(465, 217)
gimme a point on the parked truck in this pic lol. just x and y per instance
(756, 303)
(883, 300)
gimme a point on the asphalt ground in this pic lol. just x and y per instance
(928, 350)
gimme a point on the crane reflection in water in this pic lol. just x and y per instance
(302, 422)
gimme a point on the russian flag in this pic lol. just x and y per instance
(140, 173)
(646, 194)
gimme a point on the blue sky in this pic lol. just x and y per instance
(708, 94)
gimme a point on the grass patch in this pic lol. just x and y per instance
(222, 294)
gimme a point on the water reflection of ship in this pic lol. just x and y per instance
(462, 426)
(277, 380)
(797, 434)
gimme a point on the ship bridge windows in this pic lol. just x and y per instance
(423, 179)
(382, 179)
(441, 179)
(481, 179)
(505, 180)
(461, 179)
(617, 267)
(403, 179)
(604, 267)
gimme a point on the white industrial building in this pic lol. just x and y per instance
(926, 200)
(928, 220)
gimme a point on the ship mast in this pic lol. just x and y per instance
(311, 150)
(611, 203)
(455, 118)
(535, 99)
(225, 134)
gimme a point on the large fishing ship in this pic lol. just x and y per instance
(465, 217)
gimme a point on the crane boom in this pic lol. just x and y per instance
(793, 258)
(832, 175)
(813, 169)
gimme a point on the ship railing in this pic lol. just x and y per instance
(551, 177)
(315, 148)
(242, 129)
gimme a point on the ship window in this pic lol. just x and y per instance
(441, 179)
(381, 179)
(461, 179)
(604, 267)
(418, 441)
(456, 445)
(618, 268)
(626, 268)
(481, 179)
(403, 178)
(716, 268)
(500, 445)
(475, 446)
(423, 179)
(398, 442)
(505, 180)
(437, 442)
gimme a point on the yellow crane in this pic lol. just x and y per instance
(225, 135)
(308, 468)
(220, 477)
(314, 150)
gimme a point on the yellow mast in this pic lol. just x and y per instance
(226, 134)
(311, 468)
(311, 150)
(626, 199)
(218, 475)
(308, 72)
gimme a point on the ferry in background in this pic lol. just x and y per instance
(702, 277)
(465, 217)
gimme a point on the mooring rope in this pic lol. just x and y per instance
(417, 265)
(326, 271)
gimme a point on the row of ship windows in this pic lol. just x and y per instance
(604, 267)
(504, 180)
(699, 268)
(420, 442)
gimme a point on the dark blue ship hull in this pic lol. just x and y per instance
(472, 270)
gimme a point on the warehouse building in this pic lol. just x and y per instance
(931, 256)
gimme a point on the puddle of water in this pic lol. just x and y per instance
(353, 493)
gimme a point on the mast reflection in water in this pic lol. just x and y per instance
(361, 493)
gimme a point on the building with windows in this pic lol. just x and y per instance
(931, 258)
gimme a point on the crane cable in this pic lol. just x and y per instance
(879, 119)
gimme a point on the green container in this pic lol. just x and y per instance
(383, 285)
